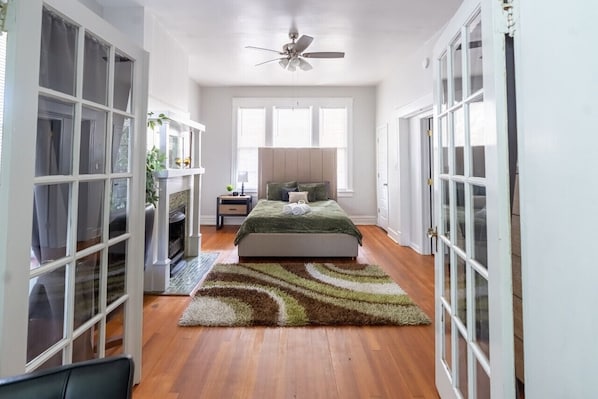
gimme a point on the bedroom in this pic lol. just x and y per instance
(410, 83)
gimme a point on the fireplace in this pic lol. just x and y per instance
(177, 229)
(176, 238)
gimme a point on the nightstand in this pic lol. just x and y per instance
(231, 205)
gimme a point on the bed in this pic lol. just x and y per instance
(305, 166)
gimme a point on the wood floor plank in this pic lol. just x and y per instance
(313, 362)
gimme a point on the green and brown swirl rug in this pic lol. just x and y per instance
(273, 294)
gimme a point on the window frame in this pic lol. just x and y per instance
(316, 104)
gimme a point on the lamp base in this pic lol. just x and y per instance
(242, 188)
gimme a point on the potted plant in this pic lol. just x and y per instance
(154, 162)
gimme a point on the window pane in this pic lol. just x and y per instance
(481, 322)
(92, 152)
(461, 290)
(115, 322)
(89, 222)
(58, 53)
(444, 137)
(447, 272)
(476, 73)
(477, 137)
(51, 206)
(457, 54)
(447, 351)
(247, 159)
(482, 382)
(460, 209)
(121, 135)
(123, 80)
(95, 70)
(118, 207)
(292, 127)
(54, 140)
(334, 133)
(459, 141)
(462, 366)
(84, 346)
(446, 209)
(480, 240)
(443, 83)
(251, 129)
(87, 285)
(333, 127)
(117, 258)
(46, 312)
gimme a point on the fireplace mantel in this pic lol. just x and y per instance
(172, 180)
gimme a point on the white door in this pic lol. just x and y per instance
(71, 190)
(382, 175)
(474, 321)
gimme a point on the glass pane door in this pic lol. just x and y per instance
(464, 137)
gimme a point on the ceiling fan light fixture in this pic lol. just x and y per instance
(294, 62)
(283, 62)
(291, 68)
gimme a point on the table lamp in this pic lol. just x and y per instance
(243, 178)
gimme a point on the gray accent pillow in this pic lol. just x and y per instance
(285, 192)
(274, 190)
(315, 191)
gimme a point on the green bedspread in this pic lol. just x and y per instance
(325, 217)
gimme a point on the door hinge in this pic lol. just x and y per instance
(430, 182)
(430, 132)
(508, 13)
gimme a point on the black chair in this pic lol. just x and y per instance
(107, 378)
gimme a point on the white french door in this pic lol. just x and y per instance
(474, 322)
(71, 189)
(382, 174)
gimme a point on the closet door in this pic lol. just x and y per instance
(474, 322)
(71, 189)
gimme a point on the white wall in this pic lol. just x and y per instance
(217, 151)
(409, 83)
(170, 88)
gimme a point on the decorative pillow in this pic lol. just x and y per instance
(298, 196)
(274, 190)
(285, 192)
(316, 191)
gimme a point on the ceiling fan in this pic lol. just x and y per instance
(293, 56)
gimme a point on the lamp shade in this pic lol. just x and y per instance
(243, 177)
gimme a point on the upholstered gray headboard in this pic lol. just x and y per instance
(305, 165)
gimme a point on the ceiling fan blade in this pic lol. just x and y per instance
(324, 54)
(303, 43)
(265, 62)
(264, 49)
(304, 65)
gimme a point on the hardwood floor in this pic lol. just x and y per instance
(313, 362)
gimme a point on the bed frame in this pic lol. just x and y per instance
(302, 165)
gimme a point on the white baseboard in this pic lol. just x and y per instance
(394, 235)
(364, 220)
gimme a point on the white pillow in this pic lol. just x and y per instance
(298, 196)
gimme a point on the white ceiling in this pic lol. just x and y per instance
(374, 34)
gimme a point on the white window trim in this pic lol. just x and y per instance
(268, 103)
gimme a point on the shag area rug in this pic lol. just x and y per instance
(273, 294)
(190, 274)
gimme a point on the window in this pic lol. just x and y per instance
(286, 122)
